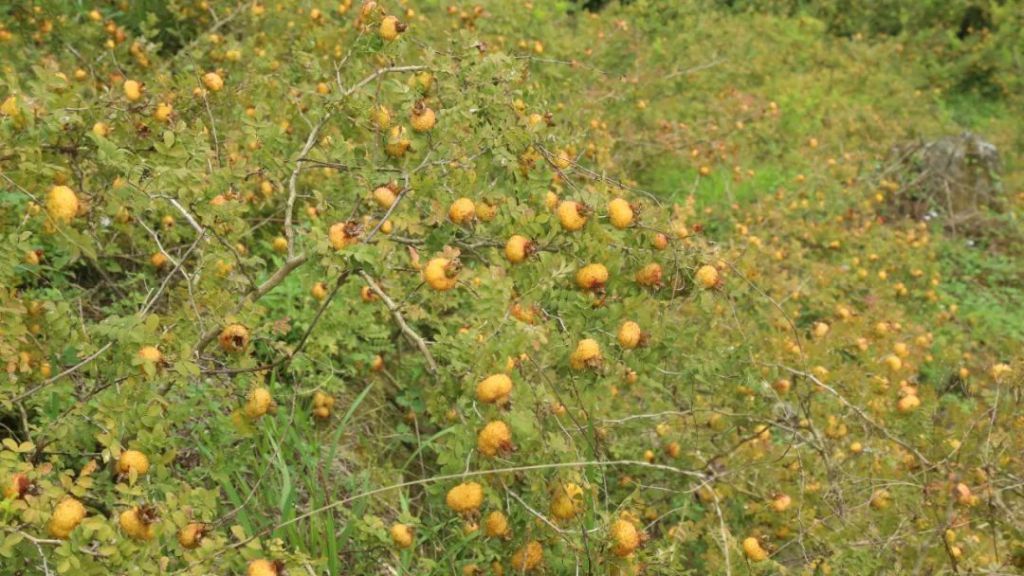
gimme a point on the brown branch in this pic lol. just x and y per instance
(411, 334)
(293, 180)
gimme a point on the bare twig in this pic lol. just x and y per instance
(397, 315)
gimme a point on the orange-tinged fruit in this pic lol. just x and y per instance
(441, 274)
(280, 244)
(343, 234)
(384, 196)
(592, 276)
(135, 524)
(630, 335)
(66, 517)
(234, 338)
(213, 81)
(625, 538)
(423, 118)
(18, 486)
(401, 535)
(572, 215)
(462, 211)
(163, 112)
(620, 213)
(908, 403)
(191, 535)
(494, 389)
(752, 548)
(390, 28)
(258, 403)
(132, 90)
(586, 355)
(319, 291)
(262, 567)
(62, 204)
(781, 502)
(528, 558)
(707, 276)
(496, 524)
(518, 248)
(465, 497)
(495, 438)
(151, 354)
(132, 461)
(649, 275)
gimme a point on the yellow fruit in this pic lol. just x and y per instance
(136, 524)
(624, 538)
(893, 362)
(213, 81)
(132, 90)
(518, 248)
(486, 212)
(132, 460)
(390, 28)
(163, 112)
(563, 159)
(401, 535)
(233, 338)
(572, 215)
(494, 389)
(259, 402)
(908, 403)
(620, 213)
(782, 385)
(9, 106)
(461, 211)
(342, 234)
(465, 497)
(564, 501)
(423, 118)
(707, 276)
(62, 204)
(550, 200)
(592, 277)
(881, 499)
(752, 548)
(262, 567)
(398, 144)
(18, 486)
(495, 438)
(496, 524)
(191, 535)
(101, 129)
(630, 335)
(151, 354)
(586, 355)
(66, 516)
(441, 274)
(649, 275)
(158, 260)
(319, 291)
(384, 196)
(781, 502)
(381, 117)
(528, 557)
(280, 244)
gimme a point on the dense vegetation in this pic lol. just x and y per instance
(552, 287)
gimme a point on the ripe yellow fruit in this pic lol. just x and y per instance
(233, 338)
(466, 497)
(752, 548)
(707, 276)
(423, 118)
(881, 499)
(586, 355)
(66, 517)
(62, 204)
(620, 213)
(592, 277)
(213, 81)
(18, 486)
(441, 274)
(151, 354)
(528, 557)
(461, 211)
(136, 524)
(390, 28)
(342, 234)
(494, 389)
(381, 117)
(132, 460)
(319, 291)
(485, 211)
(262, 567)
(564, 502)
(496, 525)
(495, 438)
(893, 362)
(649, 275)
(630, 335)
(158, 260)
(259, 402)
(572, 215)
(659, 241)
(398, 144)
(101, 129)
(384, 196)
(782, 385)
(163, 112)
(401, 535)
(132, 90)
(518, 248)
(781, 502)
(624, 538)
(191, 536)
(908, 403)
(280, 244)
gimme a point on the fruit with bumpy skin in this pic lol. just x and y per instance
(213, 81)
(624, 538)
(132, 461)
(191, 536)
(659, 241)
(592, 277)
(259, 402)
(390, 28)
(262, 567)
(163, 112)
(649, 275)
(528, 558)
(465, 497)
(495, 438)
(518, 248)
(586, 355)
(381, 117)
(630, 335)
(136, 524)
(62, 204)
(151, 354)
(707, 276)
(66, 517)
(322, 405)
(496, 525)
(494, 389)
(620, 213)
(461, 211)
(132, 90)
(384, 196)
(233, 338)
(572, 215)
(441, 274)
(401, 535)
(398, 143)
(564, 502)
(752, 548)
(423, 118)
(781, 502)
(343, 234)
(280, 244)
